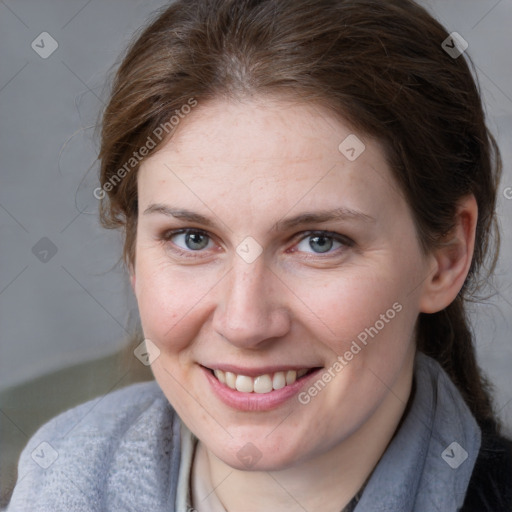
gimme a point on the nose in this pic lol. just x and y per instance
(252, 308)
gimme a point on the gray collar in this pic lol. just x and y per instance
(428, 464)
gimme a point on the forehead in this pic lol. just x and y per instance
(268, 153)
(259, 130)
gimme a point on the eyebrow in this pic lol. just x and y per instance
(179, 213)
(322, 216)
(317, 217)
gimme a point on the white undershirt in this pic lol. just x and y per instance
(194, 482)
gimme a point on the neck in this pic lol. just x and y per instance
(326, 483)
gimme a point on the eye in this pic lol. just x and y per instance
(189, 239)
(322, 242)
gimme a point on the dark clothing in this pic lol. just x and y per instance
(490, 487)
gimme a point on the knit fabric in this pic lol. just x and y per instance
(122, 451)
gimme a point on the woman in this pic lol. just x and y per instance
(307, 191)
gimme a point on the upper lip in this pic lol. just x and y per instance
(261, 370)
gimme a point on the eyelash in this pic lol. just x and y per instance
(342, 239)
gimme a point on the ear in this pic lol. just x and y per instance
(451, 260)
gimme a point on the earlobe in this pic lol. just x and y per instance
(451, 260)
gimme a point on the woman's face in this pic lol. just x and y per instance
(267, 245)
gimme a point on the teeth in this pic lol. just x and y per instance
(261, 384)
(279, 380)
(230, 379)
(220, 375)
(244, 384)
(291, 377)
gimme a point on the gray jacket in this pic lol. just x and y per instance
(122, 451)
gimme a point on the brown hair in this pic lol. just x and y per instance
(379, 65)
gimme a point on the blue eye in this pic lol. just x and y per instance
(191, 242)
(189, 239)
(322, 242)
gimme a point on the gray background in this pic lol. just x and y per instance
(77, 306)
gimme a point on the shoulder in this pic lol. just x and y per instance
(82, 457)
(108, 414)
(490, 487)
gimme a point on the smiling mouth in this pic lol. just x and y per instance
(262, 383)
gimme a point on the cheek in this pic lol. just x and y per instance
(169, 302)
(369, 306)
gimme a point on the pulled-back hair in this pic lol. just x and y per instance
(377, 64)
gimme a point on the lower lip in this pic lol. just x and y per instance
(256, 401)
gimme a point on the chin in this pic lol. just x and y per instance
(253, 457)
